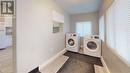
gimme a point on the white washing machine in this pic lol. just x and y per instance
(72, 42)
(92, 47)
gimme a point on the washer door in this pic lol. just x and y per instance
(71, 42)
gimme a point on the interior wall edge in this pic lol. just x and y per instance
(102, 11)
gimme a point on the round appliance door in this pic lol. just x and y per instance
(71, 42)
(92, 45)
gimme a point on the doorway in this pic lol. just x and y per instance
(7, 36)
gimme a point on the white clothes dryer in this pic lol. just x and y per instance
(92, 47)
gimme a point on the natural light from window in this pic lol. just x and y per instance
(84, 28)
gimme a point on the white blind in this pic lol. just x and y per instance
(121, 22)
(110, 27)
(129, 28)
(102, 28)
(84, 28)
(118, 28)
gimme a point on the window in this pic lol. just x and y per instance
(83, 28)
(102, 28)
(110, 26)
(118, 29)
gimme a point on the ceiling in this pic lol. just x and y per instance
(79, 6)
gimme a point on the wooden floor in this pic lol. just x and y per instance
(6, 60)
(79, 63)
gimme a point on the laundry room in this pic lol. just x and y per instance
(83, 42)
(64, 36)
(84, 24)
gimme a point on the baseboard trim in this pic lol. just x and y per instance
(105, 68)
(42, 66)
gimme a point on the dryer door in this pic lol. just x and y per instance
(92, 45)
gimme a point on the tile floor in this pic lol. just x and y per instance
(6, 60)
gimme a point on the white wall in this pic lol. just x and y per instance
(35, 41)
(93, 17)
